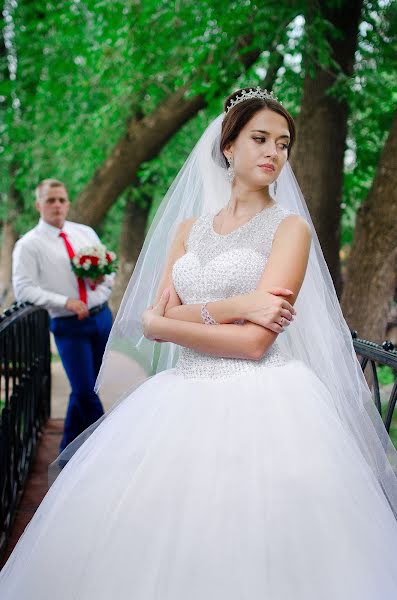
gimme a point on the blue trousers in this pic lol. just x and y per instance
(81, 345)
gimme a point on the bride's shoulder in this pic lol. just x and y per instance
(194, 230)
(184, 229)
(185, 226)
(293, 223)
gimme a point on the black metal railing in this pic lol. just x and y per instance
(372, 355)
(25, 389)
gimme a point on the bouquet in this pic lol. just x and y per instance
(93, 263)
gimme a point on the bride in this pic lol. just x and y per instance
(252, 463)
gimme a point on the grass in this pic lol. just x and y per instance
(386, 375)
(386, 378)
(393, 426)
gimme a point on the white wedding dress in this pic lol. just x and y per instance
(219, 479)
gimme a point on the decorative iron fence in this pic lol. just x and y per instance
(372, 355)
(25, 387)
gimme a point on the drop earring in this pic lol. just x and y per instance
(230, 169)
(275, 187)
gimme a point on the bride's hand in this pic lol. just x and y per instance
(269, 309)
(151, 315)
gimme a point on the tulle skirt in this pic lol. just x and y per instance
(195, 489)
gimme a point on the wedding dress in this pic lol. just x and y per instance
(218, 479)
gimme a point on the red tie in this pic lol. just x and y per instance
(80, 280)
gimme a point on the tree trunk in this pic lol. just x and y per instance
(133, 230)
(143, 140)
(8, 239)
(131, 240)
(13, 207)
(317, 157)
(371, 272)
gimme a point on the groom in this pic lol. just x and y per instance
(80, 317)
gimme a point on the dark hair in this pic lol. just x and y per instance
(238, 116)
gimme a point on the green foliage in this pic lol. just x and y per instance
(84, 68)
(386, 375)
(373, 100)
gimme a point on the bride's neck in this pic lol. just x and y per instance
(244, 201)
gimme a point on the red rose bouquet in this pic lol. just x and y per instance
(93, 263)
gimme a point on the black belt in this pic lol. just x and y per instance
(96, 309)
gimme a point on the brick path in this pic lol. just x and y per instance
(36, 487)
(48, 447)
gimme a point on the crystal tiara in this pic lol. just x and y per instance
(256, 93)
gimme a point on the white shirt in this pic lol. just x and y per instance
(41, 270)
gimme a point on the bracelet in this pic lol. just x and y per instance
(206, 317)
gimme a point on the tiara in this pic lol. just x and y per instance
(256, 93)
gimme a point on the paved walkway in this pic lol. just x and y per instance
(36, 487)
(125, 372)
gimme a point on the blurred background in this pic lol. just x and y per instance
(110, 97)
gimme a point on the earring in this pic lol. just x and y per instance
(275, 187)
(230, 169)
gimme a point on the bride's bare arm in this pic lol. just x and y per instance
(177, 250)
(264, 307)
(286, 266)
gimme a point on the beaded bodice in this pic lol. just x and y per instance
(216, 267)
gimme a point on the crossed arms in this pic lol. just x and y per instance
(171, 321)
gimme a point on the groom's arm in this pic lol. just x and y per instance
(25, 277)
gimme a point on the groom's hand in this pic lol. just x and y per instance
(78, 307)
